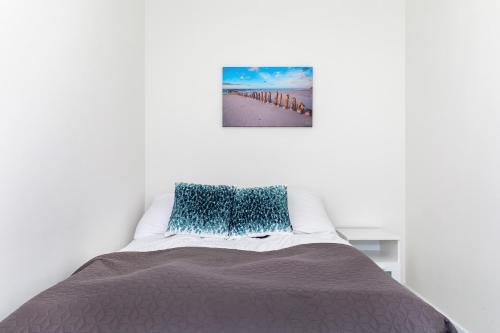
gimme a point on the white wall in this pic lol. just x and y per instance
(453, 157)
(354, 154)
(71, 137)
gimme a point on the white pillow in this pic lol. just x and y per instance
(156, 218)
(307, 213)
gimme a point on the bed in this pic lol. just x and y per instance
(295, 282)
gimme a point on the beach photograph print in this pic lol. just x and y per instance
(267, 96)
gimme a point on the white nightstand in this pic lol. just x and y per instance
(378, 244)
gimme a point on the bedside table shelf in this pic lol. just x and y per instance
(379, 245)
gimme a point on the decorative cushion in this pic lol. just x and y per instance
(204, 210)
(260, 211)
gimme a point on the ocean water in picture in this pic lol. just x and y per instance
(267, 96)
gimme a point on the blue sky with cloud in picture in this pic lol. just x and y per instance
(267, 77)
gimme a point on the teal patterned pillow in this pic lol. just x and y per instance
(204, 210)
(260, 211)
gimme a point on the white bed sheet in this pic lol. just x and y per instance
(271, 243)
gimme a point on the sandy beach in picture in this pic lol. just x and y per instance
(267, 97)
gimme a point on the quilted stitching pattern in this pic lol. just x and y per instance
(202, 209)
(260, 211)
(306, 288)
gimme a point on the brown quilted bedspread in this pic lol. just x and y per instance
(305, 288)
